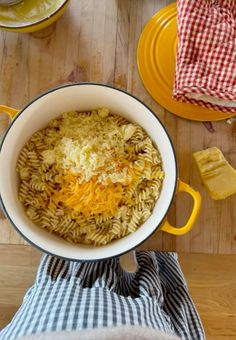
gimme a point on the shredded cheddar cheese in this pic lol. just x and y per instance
(92, 152)
(89, 197)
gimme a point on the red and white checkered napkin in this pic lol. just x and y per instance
(206, 58)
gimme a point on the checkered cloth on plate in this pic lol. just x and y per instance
(206, 59)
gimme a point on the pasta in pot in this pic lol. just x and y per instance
(90, 177)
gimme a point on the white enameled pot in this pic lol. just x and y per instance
(86, 96)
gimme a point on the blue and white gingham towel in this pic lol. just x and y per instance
(74, 296)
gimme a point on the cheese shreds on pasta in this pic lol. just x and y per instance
(90, 197)
(89, 145)
(90, 177)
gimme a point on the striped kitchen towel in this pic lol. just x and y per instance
(72, 296)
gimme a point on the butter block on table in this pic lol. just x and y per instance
(218, 176)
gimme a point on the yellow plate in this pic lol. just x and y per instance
(31, 15)
(156, 64)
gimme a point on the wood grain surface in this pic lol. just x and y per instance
(211, 281)
(96, 40)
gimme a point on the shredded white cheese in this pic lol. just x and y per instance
(90, 144)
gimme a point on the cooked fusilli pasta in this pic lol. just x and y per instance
(90, 177)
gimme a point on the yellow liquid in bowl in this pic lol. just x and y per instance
(28, 12)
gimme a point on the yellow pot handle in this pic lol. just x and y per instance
(9, 110)
(167, 227)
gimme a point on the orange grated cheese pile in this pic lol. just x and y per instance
(92, 152)
(89, 197)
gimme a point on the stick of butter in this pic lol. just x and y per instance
(217, 174)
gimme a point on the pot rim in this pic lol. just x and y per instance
(116, 89)
(12, 28)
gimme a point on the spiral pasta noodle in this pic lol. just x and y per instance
(90, 177)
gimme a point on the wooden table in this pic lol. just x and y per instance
(96, 40)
